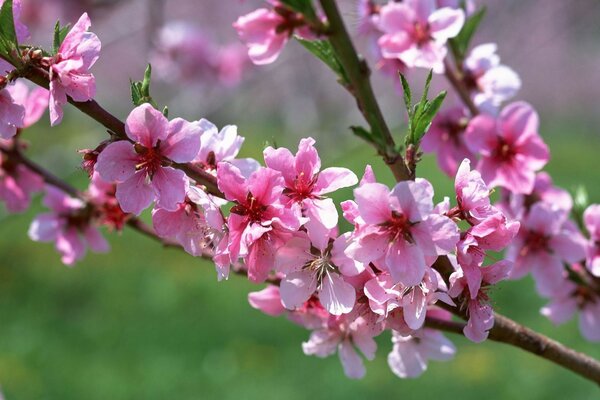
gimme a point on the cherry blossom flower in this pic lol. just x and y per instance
(17, 184)
(222, 145)
(492, 82)
(510, 146)
(345, 334)
(517, 205)
(570, 298)
(402, 234)
(385, 296)
(479, 310)
(591, 218)
(266, 31)
(307, 186)
(20, 29)
(102, 194)
(187, 225)
(12, 114)
(267, 300)
(416, 33)
(545, 241)
(70, 68)
(34, 101)
(410, 354)
(446, 138)
(142, 170)
(258, 223)
(308, 271)
(70, 225)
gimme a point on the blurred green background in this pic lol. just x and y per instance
(148, 323)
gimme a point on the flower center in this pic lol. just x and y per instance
(421, 34)
(150, 160)
(398, 227)
(251, 208)
(504, 151)
(535, 242)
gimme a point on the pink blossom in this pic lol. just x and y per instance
(385, 296)
(345, 334)
(591, 218)
(17, 184)
(472, 194)
(267, 300)
(545, 241)
(12, 114)
(510, 146)
(416, 33)
(266, 31)
(102, 194)
(402, 235)
(307, 272)
(223, 145)
(186, 225)
(517, 205)
(34, 101)
(69, 224)
(307, 186)
(569, 299)
(492, 82)
(481, 315)
(410, 354)
(258, 223)
(141, 169)
(70, 68)
(446, 138)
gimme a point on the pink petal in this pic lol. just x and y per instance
(308, 162)
(95, 240)
(351, 361)
(446, 23)
(70, 246)
(333, 178)
(231, 182)
(481, 135)
(406, 263)
(267, 300)
(170, 186)
(336, 295)
(373, 202)
(183, 141)
(135, 194)
(414, 306)
(589, 322)
(297, 287)
(281, 160)
(518, 121)
(117, 162)
(146, 125)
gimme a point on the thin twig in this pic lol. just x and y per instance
(360, 87)
(460, 88)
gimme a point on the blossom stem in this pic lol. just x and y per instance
(358, 74)
(117, 128)
(460, 88)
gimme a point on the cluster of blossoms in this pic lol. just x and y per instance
(406, 259)
(183, 53)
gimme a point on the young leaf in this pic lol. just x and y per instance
(423, 101)
(362, 133)
(59, 35)
(8, 36)
(140, 90)
(427, 115)
(407, 95)
(323, 51)
(460, 43)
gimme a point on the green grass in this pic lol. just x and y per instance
(148, 323)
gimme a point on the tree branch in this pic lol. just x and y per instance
(460, 88)
(360, 87)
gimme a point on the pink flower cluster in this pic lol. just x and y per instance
(183, 53)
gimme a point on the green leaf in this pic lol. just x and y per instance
(362, 133)
(323, 50)
(8, 36)
(140, 90)
(460, 43)
(430, 110)
(407, 95)
(304, 7)
(423, 102)
(59, 35)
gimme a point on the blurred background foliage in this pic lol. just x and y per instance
(145, 322)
